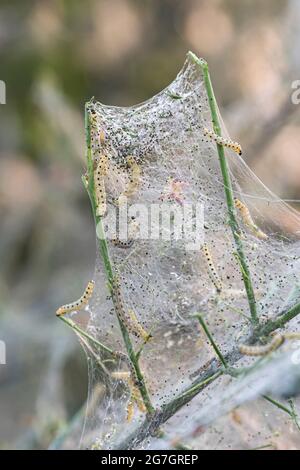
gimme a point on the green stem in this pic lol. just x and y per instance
(83, 333)
(277, 404)
(294, 413)
(290, 411)
(280, 321)
(103, 248)
(209, 335)
(186, 396)
(228, 189)
(151, 425)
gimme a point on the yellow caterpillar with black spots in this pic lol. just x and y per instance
(99, 182)
(235, 146)
(212, 272)
(247, 219)
(78, 304)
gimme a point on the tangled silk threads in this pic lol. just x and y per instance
(162, 280)
(134, 180)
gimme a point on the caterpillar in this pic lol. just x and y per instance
(247, 219)
(100, 191)
(93, 118)
(103, 165)
(129, 411)
(274, 344)
(135, 394)
(134, 180)
(94, 123)
(129, 319)
(78, 304)
(102, 137)
(121, 375)
(211, 269)
(235, 146)
(132, 230)
(140, 332)
(122, 244)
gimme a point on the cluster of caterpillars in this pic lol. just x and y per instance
(101, 171)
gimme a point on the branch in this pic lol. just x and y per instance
(228, 189)
(208, 373)
(83, 333)
(212, 341)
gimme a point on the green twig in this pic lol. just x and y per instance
(228, 189)
(212, 341)
(83, 333)
(290, 411)
(152, 424)
(280, 321)
(294, 413)
(277, 404)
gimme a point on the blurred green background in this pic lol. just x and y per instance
(54, 56)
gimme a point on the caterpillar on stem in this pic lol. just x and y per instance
(212, 272)
(78, 304)
(129, 319)
(235, 146)
(99, 174)
(247, 219)
(139, 330)
(134, 180)
(135, 395)
(93, 119)
(274, 344)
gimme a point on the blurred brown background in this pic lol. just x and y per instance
(54, 56)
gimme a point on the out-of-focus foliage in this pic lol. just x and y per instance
(54, 56)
